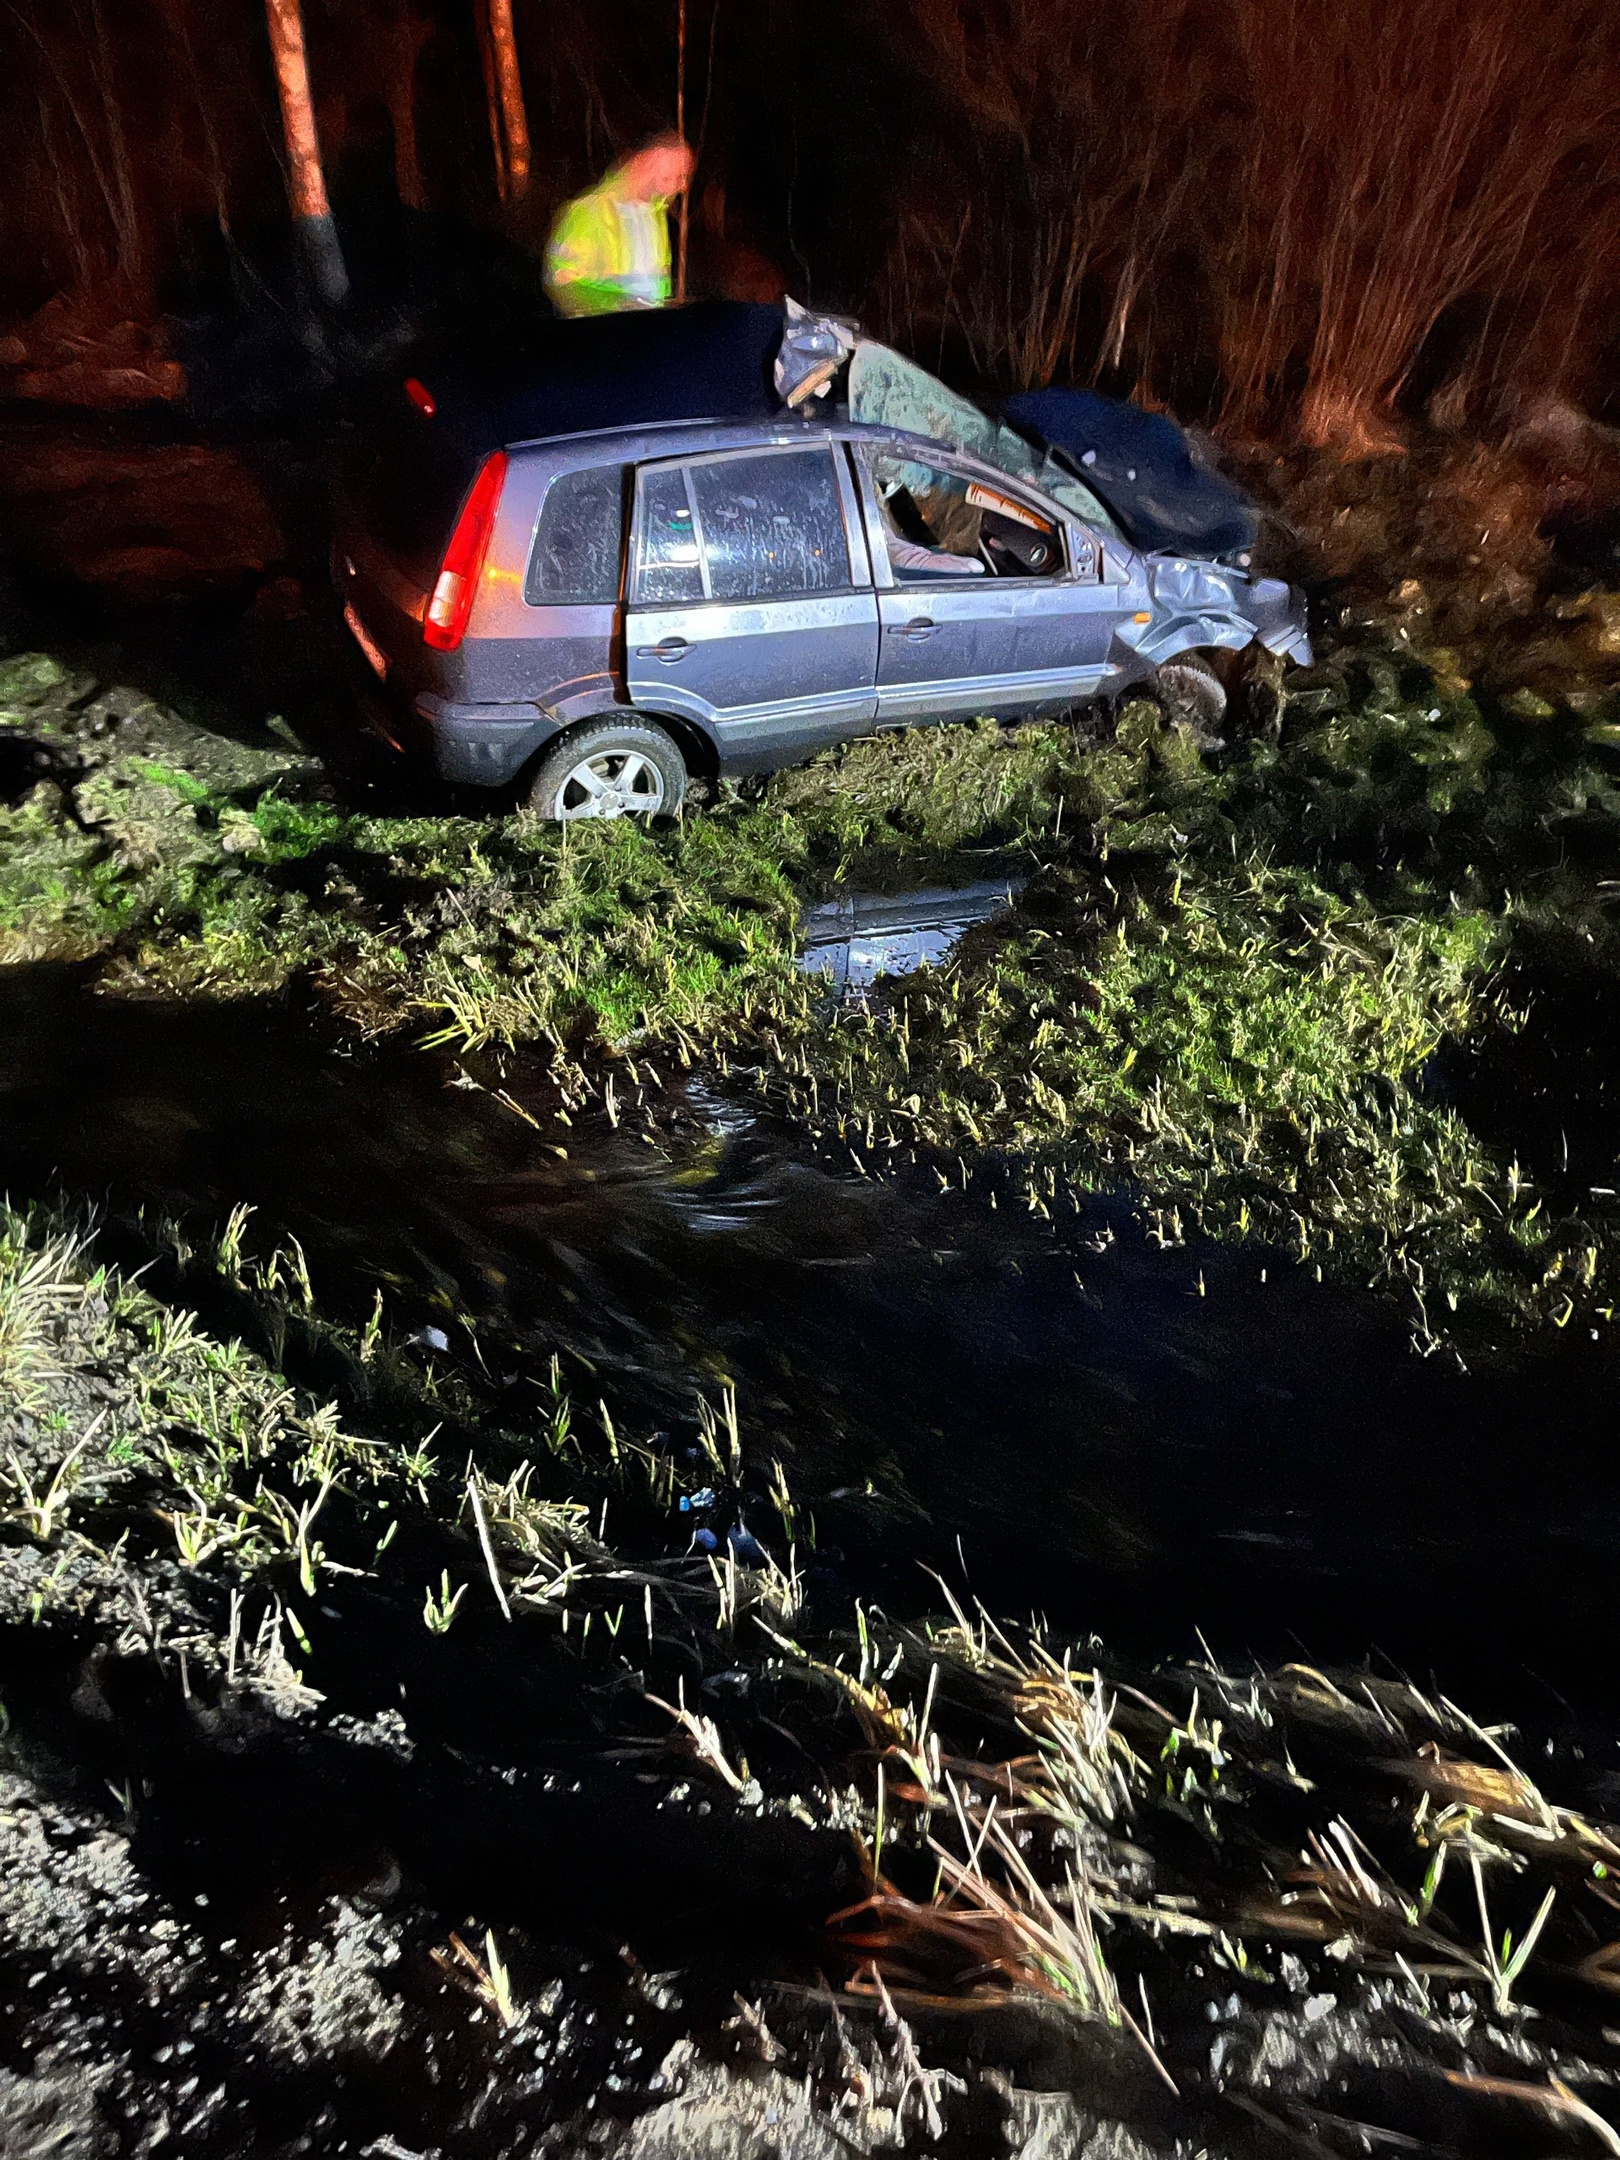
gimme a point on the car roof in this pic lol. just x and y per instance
(669, 438)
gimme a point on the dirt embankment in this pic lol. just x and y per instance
(357, 1796)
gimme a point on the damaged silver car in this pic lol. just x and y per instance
(718, 539)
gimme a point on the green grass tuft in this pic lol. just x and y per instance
(1222, 985)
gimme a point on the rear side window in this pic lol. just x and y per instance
(773, 526)
(575, 562)
(668, 568)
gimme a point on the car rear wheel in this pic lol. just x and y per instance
(613, 768)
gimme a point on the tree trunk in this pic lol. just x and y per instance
(492, 94)
(306, 182)
(685, 212)
(514, 120)
(409, 37)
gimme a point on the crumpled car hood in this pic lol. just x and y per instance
(1144, 467)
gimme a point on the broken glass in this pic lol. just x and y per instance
(890, 391)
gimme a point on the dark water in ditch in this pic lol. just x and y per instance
(1140, 1442)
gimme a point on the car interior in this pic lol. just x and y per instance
(941, 524)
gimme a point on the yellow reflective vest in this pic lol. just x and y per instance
(606, 253)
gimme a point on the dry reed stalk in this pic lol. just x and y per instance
(1325, 189)
(177, 15)
(66, 201)
(407, 36)
(104, 74)
(1555, 2098)
(1041, 181)
(1411, 159)
(699, 1736)
(933, 1947)
(107, 185)
(492, 97)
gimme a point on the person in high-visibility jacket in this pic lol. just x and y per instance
(609, 250)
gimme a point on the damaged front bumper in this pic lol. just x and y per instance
(1205, 604)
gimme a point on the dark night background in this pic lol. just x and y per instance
(1268, 214)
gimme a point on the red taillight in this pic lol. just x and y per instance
(445, 623)
(421, 397)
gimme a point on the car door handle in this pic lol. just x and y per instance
(920, 626)
(667, 649)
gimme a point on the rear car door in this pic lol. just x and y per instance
(751, 606)
(988, 601)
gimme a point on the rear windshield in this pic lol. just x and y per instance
(410, 476)
(580, 540)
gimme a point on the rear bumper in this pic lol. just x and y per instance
(475, 745)
(482, 745)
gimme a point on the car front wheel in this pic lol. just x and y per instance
(1192, 696)
(612, 768)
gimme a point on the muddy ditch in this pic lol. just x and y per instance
(1176, 1435)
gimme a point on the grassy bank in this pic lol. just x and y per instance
(1225, 984)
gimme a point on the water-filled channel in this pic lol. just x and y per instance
(1140, 1441)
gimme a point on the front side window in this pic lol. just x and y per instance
(575, 562)
(668, 569)
(943, 524)
(772, 526)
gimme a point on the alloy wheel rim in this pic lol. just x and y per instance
(613, 783)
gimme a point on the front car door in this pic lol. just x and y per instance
(989, 600)
(751, 606)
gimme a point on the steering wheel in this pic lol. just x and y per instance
(1012, 549)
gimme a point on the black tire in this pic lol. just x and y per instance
(1193, 697)
(609, 768)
